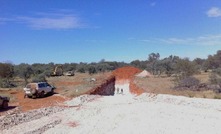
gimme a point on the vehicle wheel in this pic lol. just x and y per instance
(5, 105)
(26, 96)
(52, 91)
(34, 96)
(41, 95)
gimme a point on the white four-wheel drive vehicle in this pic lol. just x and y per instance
(39, 89)
(4, 102)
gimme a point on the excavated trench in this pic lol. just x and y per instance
(114, 87)
(120, 83)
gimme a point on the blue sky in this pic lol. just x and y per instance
(65, 31)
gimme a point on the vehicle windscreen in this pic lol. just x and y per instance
(41, 85)
(47, 85)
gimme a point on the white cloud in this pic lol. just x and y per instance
(52, 21)
(147, 40)
(208, 40)
(61, 19)
(4, 20)
(214, 12)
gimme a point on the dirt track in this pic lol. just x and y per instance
(29, 104)
(25, 104)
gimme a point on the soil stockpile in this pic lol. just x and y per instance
(125, 73)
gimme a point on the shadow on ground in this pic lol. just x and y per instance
(9, 108)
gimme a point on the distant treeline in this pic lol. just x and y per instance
(168, 66)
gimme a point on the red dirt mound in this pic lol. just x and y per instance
(125, 72)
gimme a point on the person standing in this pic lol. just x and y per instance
(121, 91)
(117, 90)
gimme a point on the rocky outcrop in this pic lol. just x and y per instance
(106, 88)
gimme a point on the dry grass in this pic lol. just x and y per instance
(79, 84)
(155, 84)
(203, 77)
(164, 85)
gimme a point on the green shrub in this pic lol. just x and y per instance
(214, 78)
(92, 70)
(217, 71)
(47, 73)
(39, 78)
(5, 83)
(81, 70)
(188, 82)
(2, 83)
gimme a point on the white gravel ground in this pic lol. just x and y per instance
(128, 114)
(122, 114)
